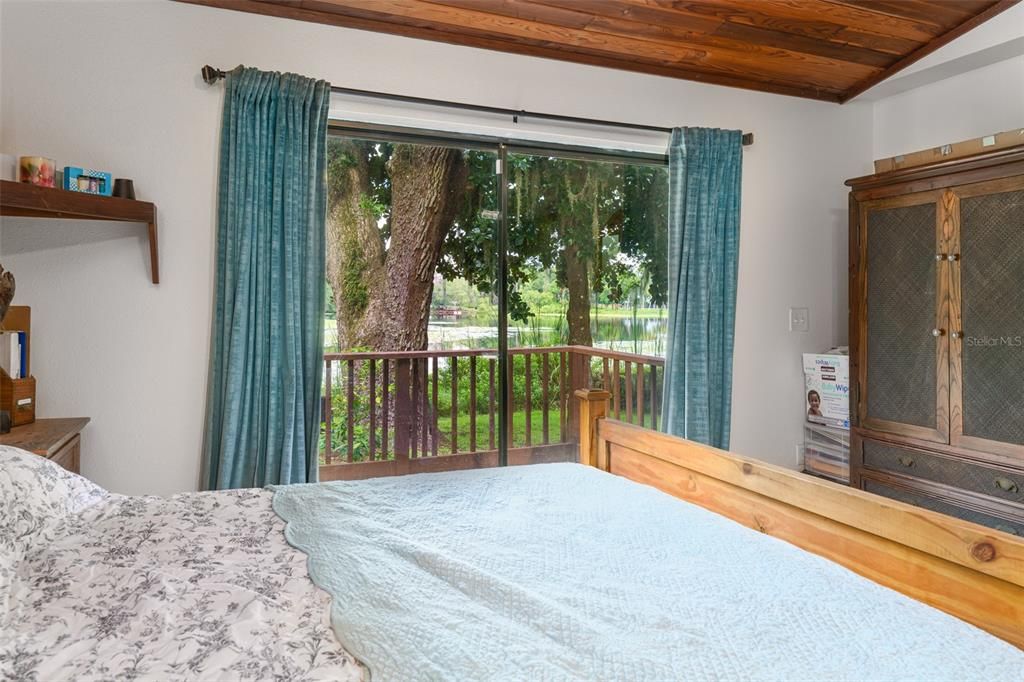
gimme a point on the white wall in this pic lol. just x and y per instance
(110, 345)
(972, 87)
(969, 105)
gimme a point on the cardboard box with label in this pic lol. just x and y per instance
(827, 387)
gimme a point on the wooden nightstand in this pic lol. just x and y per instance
(58, 440)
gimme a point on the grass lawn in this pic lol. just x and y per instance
(444, 424)
(518, 439)
(483, 432)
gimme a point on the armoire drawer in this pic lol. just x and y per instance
(957, 473)
(942, 507)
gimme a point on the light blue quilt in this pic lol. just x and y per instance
(561, 571)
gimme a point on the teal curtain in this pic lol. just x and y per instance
(705, 166)
(266, 355)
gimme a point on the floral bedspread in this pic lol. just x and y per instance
(199, 586)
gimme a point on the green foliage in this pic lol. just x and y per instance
(469, 251)
(604, 210)
(612, 213)
(373, 207)
(644, 232)
(344, 154)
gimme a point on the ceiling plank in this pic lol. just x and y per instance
(829, 50)
(291, 11)
(751, 25)
(608, 16)
(797, 69)
(937, 13)
(928, 48)
(773, 56)
(856, 48)
(809, 12)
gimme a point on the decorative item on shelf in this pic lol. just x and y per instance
(37, 170)
(88, 181)
(124, 188)
(17, 385)
(6, 291)
(8, 167)
(22, 199)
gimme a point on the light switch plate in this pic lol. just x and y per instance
(799, 320)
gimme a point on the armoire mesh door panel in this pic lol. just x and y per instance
(992, 291)
(901, 353)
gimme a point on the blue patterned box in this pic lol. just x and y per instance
(88, 181)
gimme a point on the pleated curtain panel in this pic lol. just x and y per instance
(705, 167)
(266, 356)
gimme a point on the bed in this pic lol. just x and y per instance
(96, 586)
(556, 571)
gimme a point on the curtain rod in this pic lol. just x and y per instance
(211, 75)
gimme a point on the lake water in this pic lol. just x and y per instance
(645, 335)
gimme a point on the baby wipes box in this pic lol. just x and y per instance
(827, 387)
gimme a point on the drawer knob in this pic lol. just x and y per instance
(938, 332)
(953, 257)
(1007, 485)
(940, 256)
(906, 461)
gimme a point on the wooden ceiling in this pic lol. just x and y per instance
(830, 50)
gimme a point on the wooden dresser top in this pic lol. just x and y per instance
(44, 436)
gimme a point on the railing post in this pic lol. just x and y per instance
(593, 406)
(579, 379)
(404, 406)
(328, 421)
(350, 401)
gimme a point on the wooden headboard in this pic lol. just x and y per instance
(970, 571)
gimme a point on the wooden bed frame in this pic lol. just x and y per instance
(970, 571)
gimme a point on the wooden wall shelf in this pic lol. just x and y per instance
(29, 201)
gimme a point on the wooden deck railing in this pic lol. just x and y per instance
(419, 405)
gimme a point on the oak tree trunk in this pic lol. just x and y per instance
(355, 250)
(391, 310)
(578, 284)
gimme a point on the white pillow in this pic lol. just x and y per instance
(36, 497)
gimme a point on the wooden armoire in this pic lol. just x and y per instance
(937, 336)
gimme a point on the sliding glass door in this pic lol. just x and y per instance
(586, 293)
(434, 359)
(410, 328)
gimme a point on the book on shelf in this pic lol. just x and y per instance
(13, 349)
